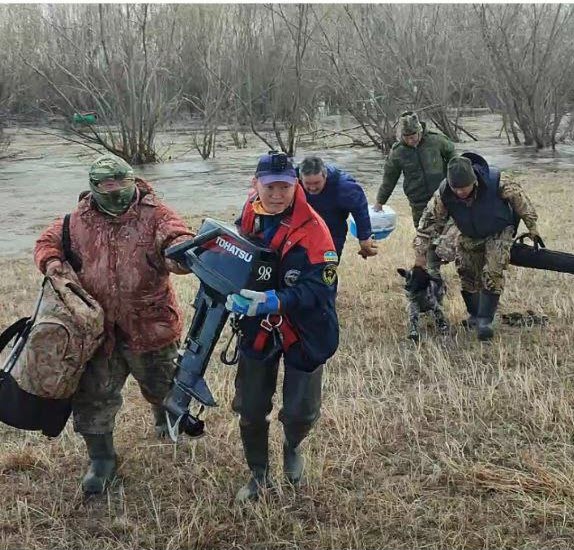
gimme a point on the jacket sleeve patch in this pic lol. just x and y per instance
(330, 274)
(330, 256)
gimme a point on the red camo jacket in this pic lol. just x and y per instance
(123, 267)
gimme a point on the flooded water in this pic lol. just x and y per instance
(45, 177)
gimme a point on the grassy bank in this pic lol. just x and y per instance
(448, 444)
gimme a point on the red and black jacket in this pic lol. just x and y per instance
(306, 287)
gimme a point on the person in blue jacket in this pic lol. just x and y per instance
(334, 194)
(298, 321)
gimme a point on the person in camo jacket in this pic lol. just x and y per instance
(487, 209)
(119, 231)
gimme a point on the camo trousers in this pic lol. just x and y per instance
(99, 395)
(481, 262)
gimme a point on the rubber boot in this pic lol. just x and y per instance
(103, 463)
(255, 439)
(293, 462)
(471, 301)
(302, 405)
(486, 310)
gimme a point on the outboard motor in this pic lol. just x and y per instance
(225, 262)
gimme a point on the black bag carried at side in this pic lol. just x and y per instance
(539, 257)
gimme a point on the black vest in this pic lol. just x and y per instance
(487, 215)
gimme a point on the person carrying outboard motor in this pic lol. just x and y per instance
(487, 210)
(118, 234)
(297, 321)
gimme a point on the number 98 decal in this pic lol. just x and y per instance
(264, 273)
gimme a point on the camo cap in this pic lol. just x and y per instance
(110, 166)
(409, 124)
(460, 173)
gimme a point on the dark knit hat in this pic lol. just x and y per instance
(460, 173)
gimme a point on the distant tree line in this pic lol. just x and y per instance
(274, 70)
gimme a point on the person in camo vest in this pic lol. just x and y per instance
(422, 157)
(487, 210)
(119, 232)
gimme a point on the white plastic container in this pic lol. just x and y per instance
(383, 223)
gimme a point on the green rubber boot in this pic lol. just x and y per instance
(103, 463)
(486, 310)
(471, 301)
(301, 409)
(255, 439)
(293, 462)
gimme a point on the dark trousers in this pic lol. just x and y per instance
(255, 385)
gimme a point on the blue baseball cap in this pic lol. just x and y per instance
(275, 166)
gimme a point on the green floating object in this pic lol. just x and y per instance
(89, 117)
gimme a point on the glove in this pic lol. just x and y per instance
(368, 248)
(420, 278)
(377, 207)
(252, 303)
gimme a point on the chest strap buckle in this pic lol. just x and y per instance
(269, 323)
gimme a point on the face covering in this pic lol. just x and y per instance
(116, 202)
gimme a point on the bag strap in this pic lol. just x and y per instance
(537, 244)
(15, 329)
(20, 329)
(70, 257)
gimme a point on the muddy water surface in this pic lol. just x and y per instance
(46, 175)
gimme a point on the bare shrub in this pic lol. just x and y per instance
(532, 53)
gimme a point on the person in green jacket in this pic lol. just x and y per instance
(422, 157)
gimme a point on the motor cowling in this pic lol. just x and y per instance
(226, 261)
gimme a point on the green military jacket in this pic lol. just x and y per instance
(424, 167)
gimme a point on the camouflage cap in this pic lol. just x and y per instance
(409, 124)
(460, 173)
(110, 166)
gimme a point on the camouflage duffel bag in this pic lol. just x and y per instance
(47, 359)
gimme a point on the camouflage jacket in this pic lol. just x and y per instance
(435, 216)
(423, 168)
(123, 267)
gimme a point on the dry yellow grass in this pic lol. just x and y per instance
(449, 444)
